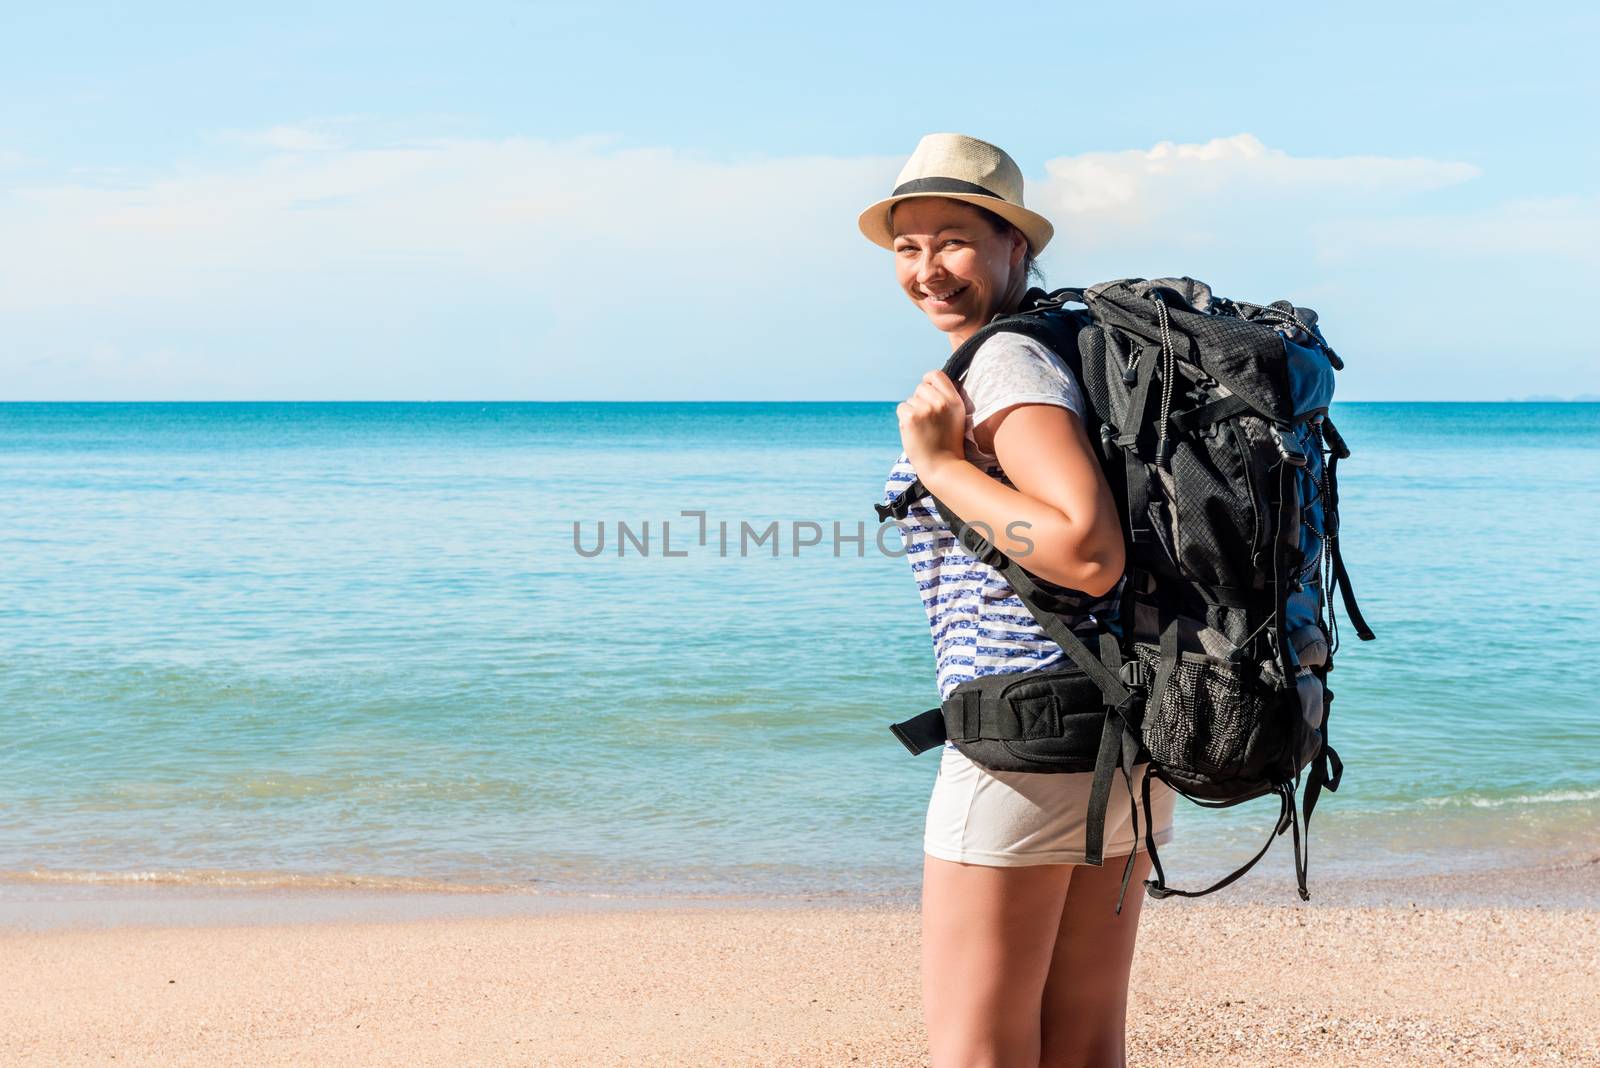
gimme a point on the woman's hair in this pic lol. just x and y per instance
(1030, 268)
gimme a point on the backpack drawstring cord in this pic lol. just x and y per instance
(1169, 371)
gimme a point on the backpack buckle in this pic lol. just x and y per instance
(1289, 449)
(1133, 673)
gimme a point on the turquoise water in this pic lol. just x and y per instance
(357, 641)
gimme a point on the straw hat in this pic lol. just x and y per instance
(961, 168)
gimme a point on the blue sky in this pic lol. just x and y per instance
(603, 201)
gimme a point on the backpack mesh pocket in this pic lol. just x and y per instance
(1210, 723)
(1219, 523)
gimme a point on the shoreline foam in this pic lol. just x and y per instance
(40, 900)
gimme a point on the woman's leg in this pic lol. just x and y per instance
(987, 937)
(1086, 993)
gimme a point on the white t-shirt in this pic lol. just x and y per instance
(1013, 369)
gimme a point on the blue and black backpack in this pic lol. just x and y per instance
(1212, 422)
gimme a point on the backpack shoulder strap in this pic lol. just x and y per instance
(1042, 317)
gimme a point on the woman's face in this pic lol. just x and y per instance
(952, 262)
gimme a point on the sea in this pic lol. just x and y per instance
(653, 649)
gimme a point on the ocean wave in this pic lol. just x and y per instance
(1479, 801)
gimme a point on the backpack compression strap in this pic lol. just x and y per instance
(1287, 817)
(1340, 576)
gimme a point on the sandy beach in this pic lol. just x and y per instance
(1399, 983)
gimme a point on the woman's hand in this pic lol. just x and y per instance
(933, 422)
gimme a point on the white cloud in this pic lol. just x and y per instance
(1098, 182)
(1174, 192)
(444, 267)
(386, 249)
(514, 208)
(546, 212)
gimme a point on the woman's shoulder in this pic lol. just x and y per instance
(1009, 367)
(1011, 345)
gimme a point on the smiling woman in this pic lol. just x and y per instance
(973, 245)
(1024, 959)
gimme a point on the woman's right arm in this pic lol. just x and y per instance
(1062, 503)
(1046, 453)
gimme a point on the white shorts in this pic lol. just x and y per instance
(1017, 818)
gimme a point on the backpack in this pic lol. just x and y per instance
(1212, 422)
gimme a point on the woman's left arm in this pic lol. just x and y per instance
(1060, 522)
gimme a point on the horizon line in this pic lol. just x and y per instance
(1581, 398)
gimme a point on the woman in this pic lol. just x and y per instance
(1025, 961)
